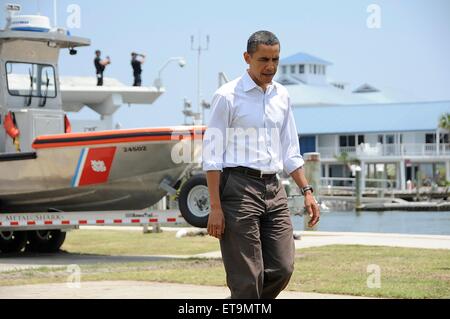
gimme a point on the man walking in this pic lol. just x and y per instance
(250, 138)
(136, 63)
(100, 66)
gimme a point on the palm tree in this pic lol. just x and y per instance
(444, 121)
(345, 159)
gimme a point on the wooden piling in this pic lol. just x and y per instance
(312, 174)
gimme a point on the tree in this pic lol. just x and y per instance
(444, 121)
(347, 160)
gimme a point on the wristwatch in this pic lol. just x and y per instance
(307, 188)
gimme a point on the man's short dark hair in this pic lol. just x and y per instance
(97, 52)
(261, 37)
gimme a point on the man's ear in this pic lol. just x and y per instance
(247, 57)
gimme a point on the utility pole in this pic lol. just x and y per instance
(199, 50)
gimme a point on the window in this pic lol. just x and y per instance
(346, 140)
(380, 139)
(351, 140)
(430, 138)
(301, 69)
(292, 68)
(284, 69)
(324, 70)
(315, 70)
(310, 68)
(390, 139)
(360, 139)
(31, 79)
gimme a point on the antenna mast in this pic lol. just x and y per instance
(199, 49)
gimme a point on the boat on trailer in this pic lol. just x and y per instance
(44, 167)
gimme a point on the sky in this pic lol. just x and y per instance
(409, 51)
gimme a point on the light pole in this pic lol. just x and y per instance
(181, 63)
(199, 49)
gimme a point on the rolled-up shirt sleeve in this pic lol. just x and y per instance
(290, 147)
(214, 140)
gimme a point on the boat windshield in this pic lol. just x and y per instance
(31, 80)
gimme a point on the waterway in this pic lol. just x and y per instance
(403, 222)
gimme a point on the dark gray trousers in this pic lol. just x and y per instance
(257, 246)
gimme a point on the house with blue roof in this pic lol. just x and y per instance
(394, 137)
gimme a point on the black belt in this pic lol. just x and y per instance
(250, 172)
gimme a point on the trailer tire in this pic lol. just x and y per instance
(12, 241)
(45, 241)
(193, 201)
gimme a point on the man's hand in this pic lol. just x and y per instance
(216, 223)
(312, 208)
(310, 202)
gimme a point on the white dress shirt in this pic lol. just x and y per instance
(252, 128)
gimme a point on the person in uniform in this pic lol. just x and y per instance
(100, 66)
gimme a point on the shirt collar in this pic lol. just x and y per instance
(249, 84)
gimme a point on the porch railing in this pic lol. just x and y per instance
(406, 149)
(349, 183)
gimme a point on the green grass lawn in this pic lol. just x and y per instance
(343, 269)
(119, 242)
(339, 269)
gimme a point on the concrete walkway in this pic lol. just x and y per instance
(137, 290)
